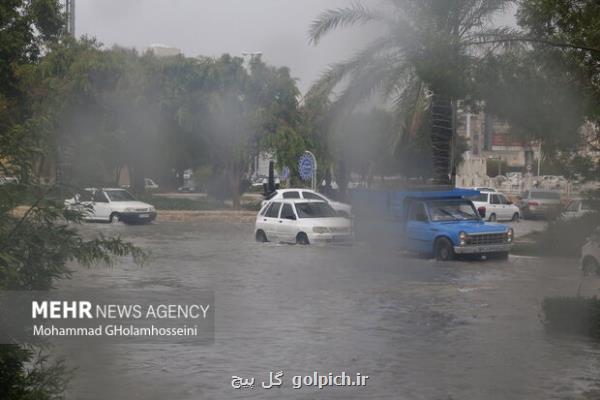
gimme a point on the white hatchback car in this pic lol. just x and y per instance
(111, 205)
(494, 206)
(343, 209)
(590, 254)
(302, 222)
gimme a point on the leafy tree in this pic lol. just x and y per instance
(37, 244)
(424, 60)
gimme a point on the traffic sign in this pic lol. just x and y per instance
(306, 166)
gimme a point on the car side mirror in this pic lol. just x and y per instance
(509, 202)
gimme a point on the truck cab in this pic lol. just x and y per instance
(443, 224)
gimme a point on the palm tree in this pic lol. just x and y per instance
(423, 62)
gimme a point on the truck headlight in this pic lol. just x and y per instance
(320, 229)
(510, 235)
(462, 237)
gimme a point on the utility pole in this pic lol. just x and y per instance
(70, 14)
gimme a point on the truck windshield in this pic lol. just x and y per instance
(452, 210)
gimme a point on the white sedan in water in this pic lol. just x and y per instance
(111, 205)
(302, 222)
(343, 209)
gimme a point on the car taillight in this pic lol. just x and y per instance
(481, 211)
(533, 203)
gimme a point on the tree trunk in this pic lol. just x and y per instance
(234, 186)
(342, 180)
(118, 176)
(442, 132)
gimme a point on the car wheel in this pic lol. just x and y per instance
(302, 239)
(516, 217)
(261, 237)
(115, 218)
(444, 250)
(590, 266)
(493, 218)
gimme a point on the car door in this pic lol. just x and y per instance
(271, 220)
(100, 206)
(288, 221)
(505, 211)
(418, 228)
(494, 206)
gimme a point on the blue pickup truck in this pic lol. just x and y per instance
(442, 223)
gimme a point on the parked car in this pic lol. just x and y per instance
(590, 254)
(576, 208)
(344, 210)
(494, 206)
(540, 204)
(439, 223)
(481, 189)
(187, 189)
(149, 184)
(111, 205)
(302, 222)
(5, 180)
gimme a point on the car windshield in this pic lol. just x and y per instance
(452, 210)
(314, 210)
(119, 195)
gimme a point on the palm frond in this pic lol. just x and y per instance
(369, 80)
(480, 12)
(357, 63)
(331, 19)
(410, 108)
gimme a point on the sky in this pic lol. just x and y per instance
(277, 28)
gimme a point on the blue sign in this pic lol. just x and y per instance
(306, 166)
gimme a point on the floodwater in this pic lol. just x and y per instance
(418, 328)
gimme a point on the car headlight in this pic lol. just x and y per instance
(320, 229)
(129, 209)
(463, 236)
(151, 208)
(510, 235)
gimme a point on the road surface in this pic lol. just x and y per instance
(418, 328)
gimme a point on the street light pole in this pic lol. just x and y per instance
(539, 158)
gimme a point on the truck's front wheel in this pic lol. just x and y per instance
(444, 250)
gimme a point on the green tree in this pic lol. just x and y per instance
(424, 60)
(35, 245)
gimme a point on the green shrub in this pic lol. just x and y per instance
(561, 238)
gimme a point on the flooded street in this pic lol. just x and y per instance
(418, 328)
